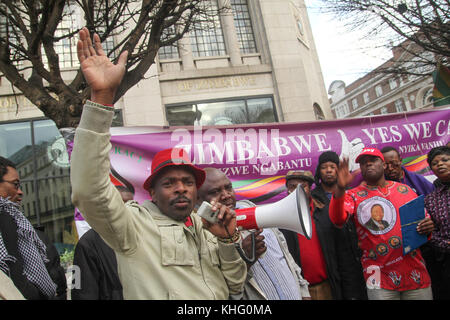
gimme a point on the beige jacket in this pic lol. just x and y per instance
(158, 258)
(8, 290)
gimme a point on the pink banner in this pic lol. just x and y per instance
(256, 157)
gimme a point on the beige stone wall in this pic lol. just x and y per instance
(297, 74)
(286, 67)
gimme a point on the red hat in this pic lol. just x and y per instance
(370, 152)
(174, 157)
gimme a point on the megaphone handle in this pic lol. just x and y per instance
(242, 253)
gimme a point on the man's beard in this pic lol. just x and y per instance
(329, 183)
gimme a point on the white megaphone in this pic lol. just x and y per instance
(290, 213)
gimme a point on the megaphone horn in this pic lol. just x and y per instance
(290, 213)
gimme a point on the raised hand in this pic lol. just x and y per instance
(103, 76)
(344, 177)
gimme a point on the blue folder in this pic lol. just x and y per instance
(411, 213)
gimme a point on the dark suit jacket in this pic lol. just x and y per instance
(98, 268)
(340, 250)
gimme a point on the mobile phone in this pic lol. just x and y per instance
(205, 211)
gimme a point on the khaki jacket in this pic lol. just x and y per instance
(157, 257)
(8, 290)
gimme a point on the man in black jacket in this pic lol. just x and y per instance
(337, 269)
(26, 255)
(98, 265)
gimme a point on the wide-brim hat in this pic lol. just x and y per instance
(174, 157)
(369, 152)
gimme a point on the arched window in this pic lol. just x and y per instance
(424, 97)
(318, 113)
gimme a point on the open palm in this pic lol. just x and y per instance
(101, 74)
(343, 174)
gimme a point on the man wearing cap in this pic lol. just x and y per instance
(318, 257)
(308, 253)
(389, 274)
(163, 251)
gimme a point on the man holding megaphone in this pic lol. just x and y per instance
(274, 275)
(163, 250)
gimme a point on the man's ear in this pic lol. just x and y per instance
(199, 201)
(151, 192)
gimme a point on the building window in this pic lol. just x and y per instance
(384, 110)
(399, 105)
(342, 110)
(300, 26)
(170, 51)
(378, 91)
(12, 35)
(355, 104)
(427, 98)
(318, 113)
(66, 48)
(29, 144)
(392, 83)
(366, 97)
(243, 25)
(206, 34)
(239, 111)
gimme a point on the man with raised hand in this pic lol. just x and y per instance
(163, 250)
(389, 274)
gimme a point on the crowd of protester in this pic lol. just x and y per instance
(161, 249)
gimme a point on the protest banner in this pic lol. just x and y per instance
(256, 157)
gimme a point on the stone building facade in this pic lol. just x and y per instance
(256, 63)
(381, 93)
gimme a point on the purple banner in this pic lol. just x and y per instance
(256, 157)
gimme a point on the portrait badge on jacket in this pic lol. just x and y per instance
(377, 214)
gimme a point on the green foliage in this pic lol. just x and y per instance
(67, 256)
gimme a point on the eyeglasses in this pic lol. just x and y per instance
(16, 184)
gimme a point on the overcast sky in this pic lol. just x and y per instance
(343, 56)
